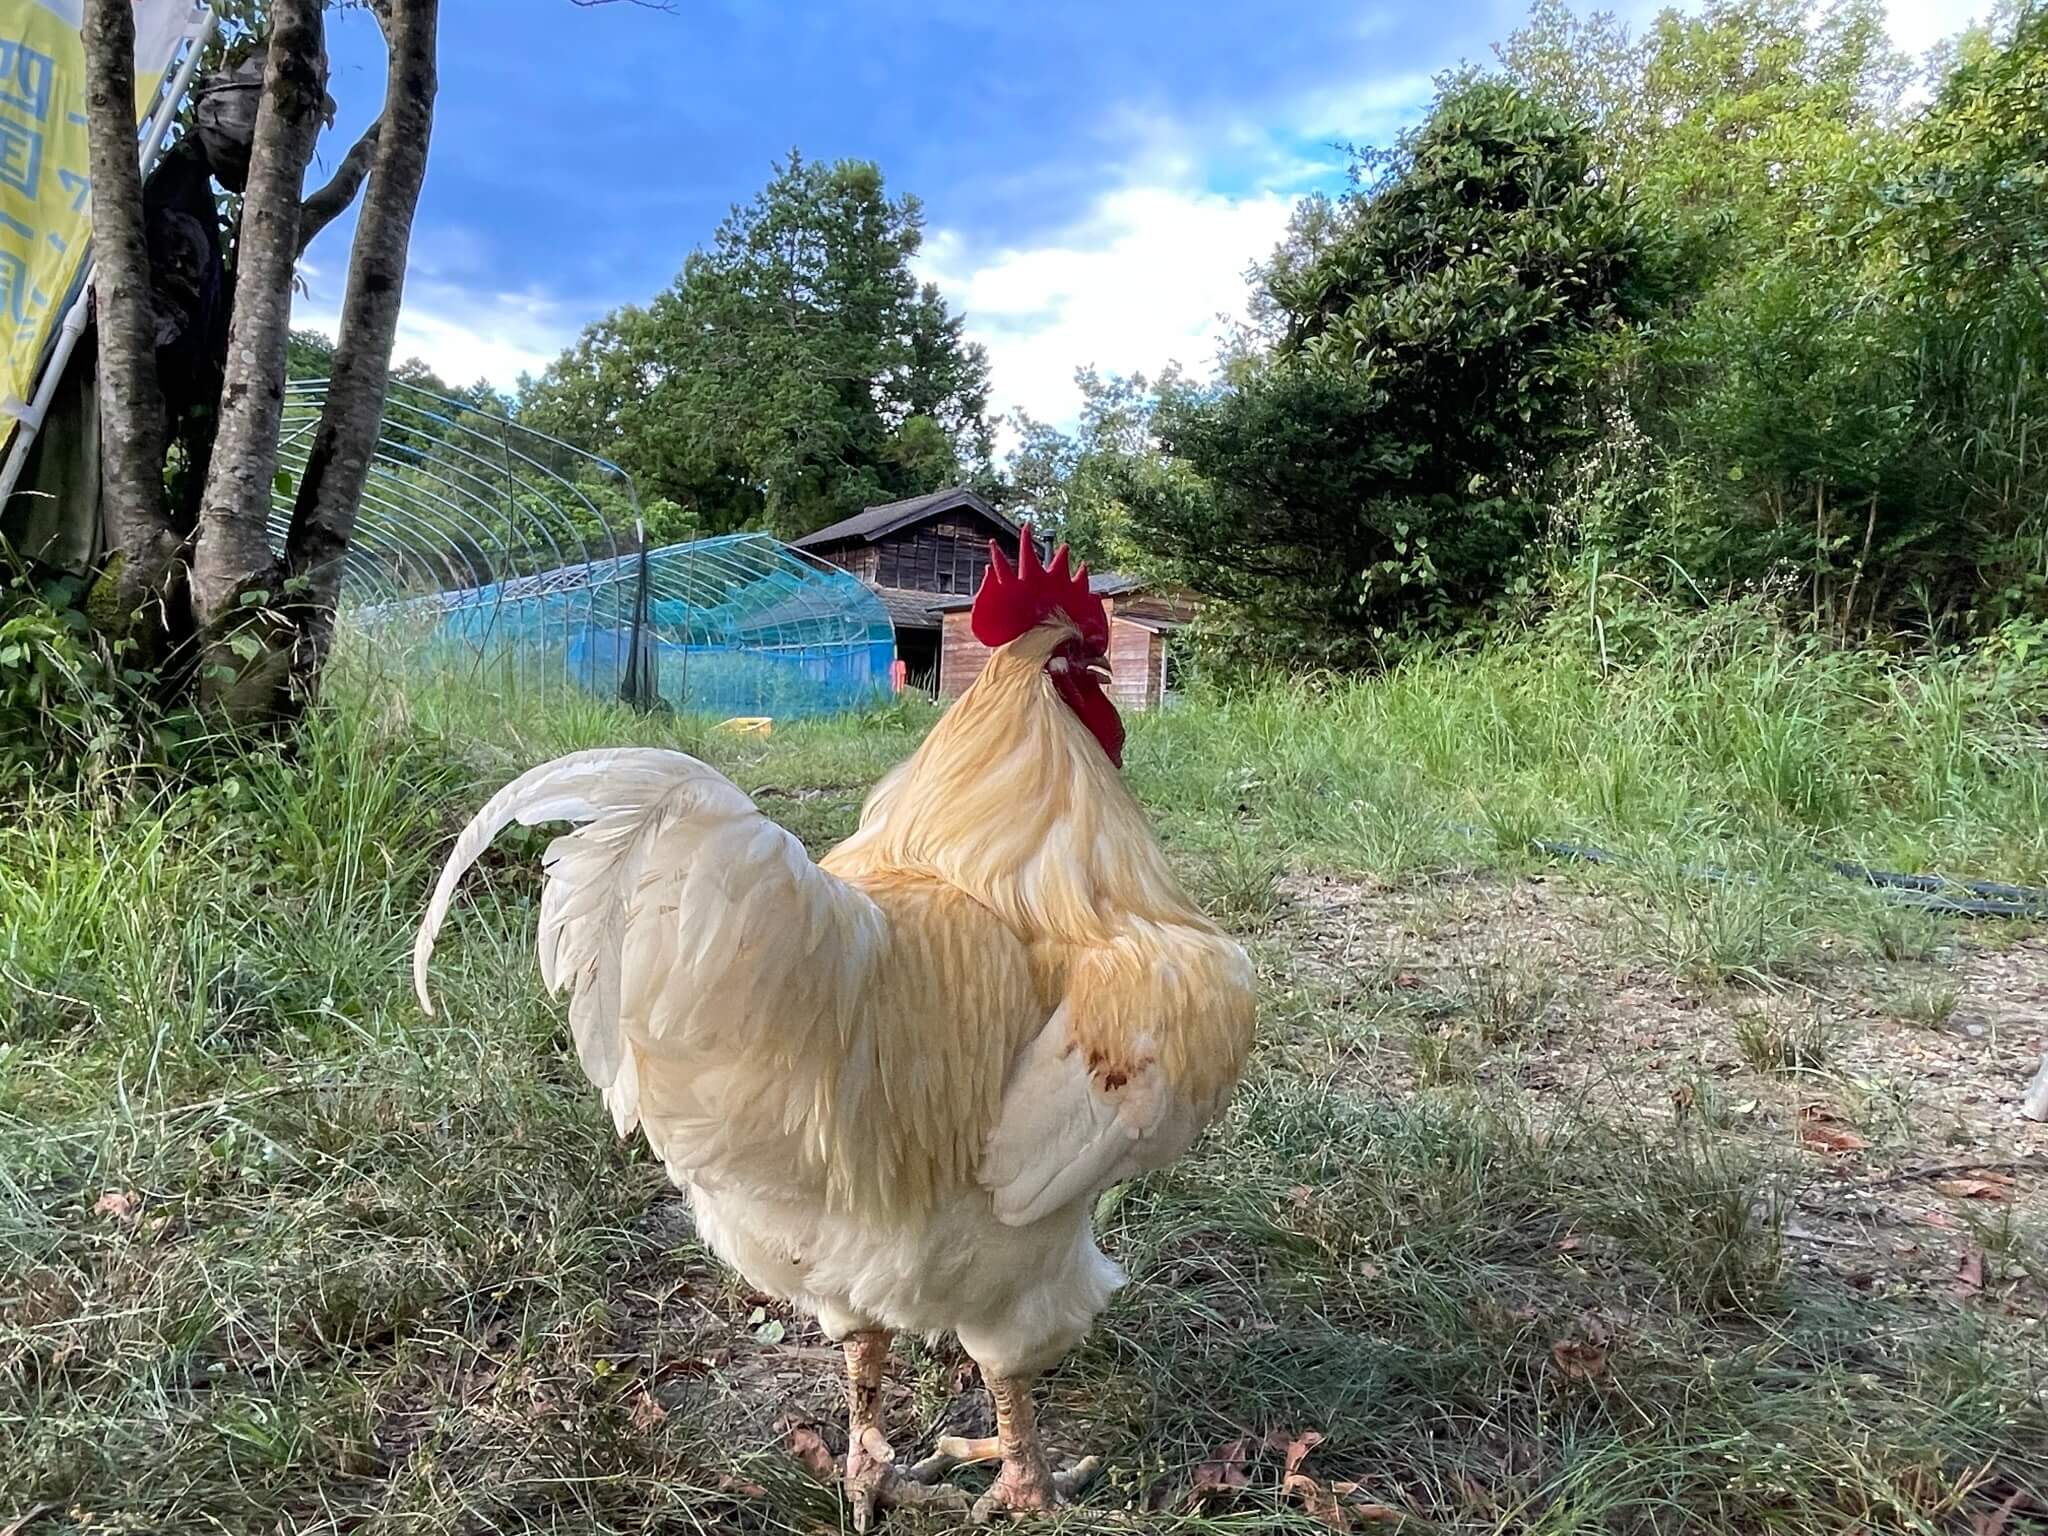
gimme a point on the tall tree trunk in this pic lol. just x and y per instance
(131, 397)
(245, 654)
(338, 464)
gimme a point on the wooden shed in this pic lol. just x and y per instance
(925, 557)
(916, 554)
(1142, 623)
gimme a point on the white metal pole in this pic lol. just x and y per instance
(73, 326)
(175, 93)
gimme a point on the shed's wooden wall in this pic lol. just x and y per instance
(1137, 661)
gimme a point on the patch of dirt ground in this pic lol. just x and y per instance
(1893, 1087)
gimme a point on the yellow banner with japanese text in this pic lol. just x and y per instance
(45, 189)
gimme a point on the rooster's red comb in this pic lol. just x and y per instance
(1015, 600)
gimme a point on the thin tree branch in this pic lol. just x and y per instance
(233, 553)
(1943, 1170)
(323, 207)
(338, 462)
(131, 395)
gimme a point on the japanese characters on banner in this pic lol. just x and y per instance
(45, 191)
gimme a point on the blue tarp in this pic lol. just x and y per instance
(738, 625)
(734, 680)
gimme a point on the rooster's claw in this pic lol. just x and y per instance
(873, 1482)
(1013, 1496)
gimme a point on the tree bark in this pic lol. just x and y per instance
(131, 396)
(323, 207)
(233, 554)
(338, 464)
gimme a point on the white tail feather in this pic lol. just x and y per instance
(627, 782)
(718, 979)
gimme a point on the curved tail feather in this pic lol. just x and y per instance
(624, 782)
(716, 975)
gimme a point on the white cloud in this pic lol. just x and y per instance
(1917, 25)
(1364, 112)
(1144, 279)
(1157, 268)
(463, 334)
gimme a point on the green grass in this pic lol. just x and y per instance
(1728, 743)
(364, 1270)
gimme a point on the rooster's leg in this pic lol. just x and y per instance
(1027, 1481)
(872, 1481)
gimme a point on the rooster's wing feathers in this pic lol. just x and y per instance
(1125, 1074)
(1067, 1131)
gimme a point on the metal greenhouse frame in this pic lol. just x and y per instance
(485, 546)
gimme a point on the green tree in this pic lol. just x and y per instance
(1076, 486)
(1965, 233)
(793, 373)
(1382, 475)
(1772, 426)
(1729, 121)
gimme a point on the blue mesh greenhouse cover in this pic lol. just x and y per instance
(487, 548)
(740, 625)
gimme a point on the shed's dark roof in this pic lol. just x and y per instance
(891, 515)
(908, 609)
(1101, 583)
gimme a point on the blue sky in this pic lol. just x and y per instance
(1096, 176)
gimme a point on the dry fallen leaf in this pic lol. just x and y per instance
(1820, 1127)
(1294, 1449)
(809, 1449)
(1317, 1502)
(119, 1204)
(1969, 1273)
(1990, 1186)
(1994, 1523)
(1577, 1360)
(647, 1412)
(1359, 1507)
(1222, 1472)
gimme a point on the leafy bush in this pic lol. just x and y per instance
(1842, 407)
(1967, 232)
(71, 707)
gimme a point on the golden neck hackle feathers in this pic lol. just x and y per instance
(1013, 801)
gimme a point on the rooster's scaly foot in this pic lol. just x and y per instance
(1019, 1492)
(874, 1483)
